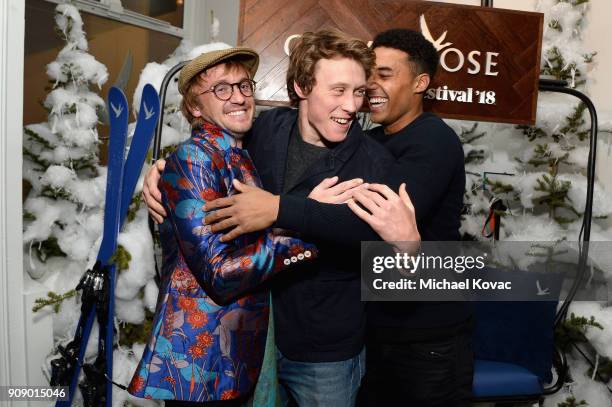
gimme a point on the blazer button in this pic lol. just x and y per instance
(300, 256)
(287, 262)
(293, 259)
(307, 253)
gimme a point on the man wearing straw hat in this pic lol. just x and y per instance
(210, 327)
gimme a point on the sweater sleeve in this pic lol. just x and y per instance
(328, 222)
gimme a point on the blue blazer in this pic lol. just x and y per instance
(210, 327)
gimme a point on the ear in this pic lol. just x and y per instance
(194, 109)
(421, 83)
(298, 89)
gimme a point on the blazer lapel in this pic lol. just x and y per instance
(277, 149)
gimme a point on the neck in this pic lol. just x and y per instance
(308, 133)
(404, 120)
(235, 139)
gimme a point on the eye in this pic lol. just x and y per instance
(223, 89)
(360, 92)
(246, 86)
(338, 91)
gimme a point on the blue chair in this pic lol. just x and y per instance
(514, 348)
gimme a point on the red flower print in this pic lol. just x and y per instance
(169, 379)
(136, 384)
(184, 183)
(197, 319)
(229, 394)
(205, 339)
(187, 303)
(245, 262)
(217, 161)
(209, 194)
(235, 159)
(183, 280)
(196, 351)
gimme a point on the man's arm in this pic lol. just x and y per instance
(428, 167)
(225, 271)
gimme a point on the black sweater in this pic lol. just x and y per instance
(318, 314)
(428, 157)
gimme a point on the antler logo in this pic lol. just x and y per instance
(117, 110)
(427, 34)
(453, 59)
(148, 112)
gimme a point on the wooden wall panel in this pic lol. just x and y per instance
(515, 35)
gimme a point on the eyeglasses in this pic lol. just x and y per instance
(224, 91)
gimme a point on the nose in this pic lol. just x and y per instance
(237, 96)
(351, 103)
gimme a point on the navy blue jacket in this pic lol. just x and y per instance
(318, 314)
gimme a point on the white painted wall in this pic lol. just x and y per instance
(198, 20)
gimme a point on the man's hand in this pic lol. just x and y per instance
(250, 210)
(330, 192)
(151, 194)
(389, 214)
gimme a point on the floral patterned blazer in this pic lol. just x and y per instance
(210, 326)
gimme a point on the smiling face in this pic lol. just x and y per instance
(328, 110)
(236, 114)
(394, 91)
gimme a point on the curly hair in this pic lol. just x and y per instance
(421, 53)
(325, 44)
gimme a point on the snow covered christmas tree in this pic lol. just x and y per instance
(60, 156)
(539, 173)
(64, 208)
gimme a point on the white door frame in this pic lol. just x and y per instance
(12, 313)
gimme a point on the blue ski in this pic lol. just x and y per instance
(98, 284)
(141, 140)
(118, 109)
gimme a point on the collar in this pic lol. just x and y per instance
(214, 135)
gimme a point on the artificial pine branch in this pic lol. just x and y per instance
(573, 330)
(122, 258)
(37, 138)
(44, 164)
(136, 333)
(604, 370)
(571, 402)
(468, 136)
(532, 132)
(48, 248)
(52, 299)
(134, 207)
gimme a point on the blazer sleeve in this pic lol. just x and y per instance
(226, 271)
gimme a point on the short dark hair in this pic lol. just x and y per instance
(421, 53)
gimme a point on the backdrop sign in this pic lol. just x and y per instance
(489, 58)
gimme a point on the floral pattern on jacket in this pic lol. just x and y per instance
(210, 326)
